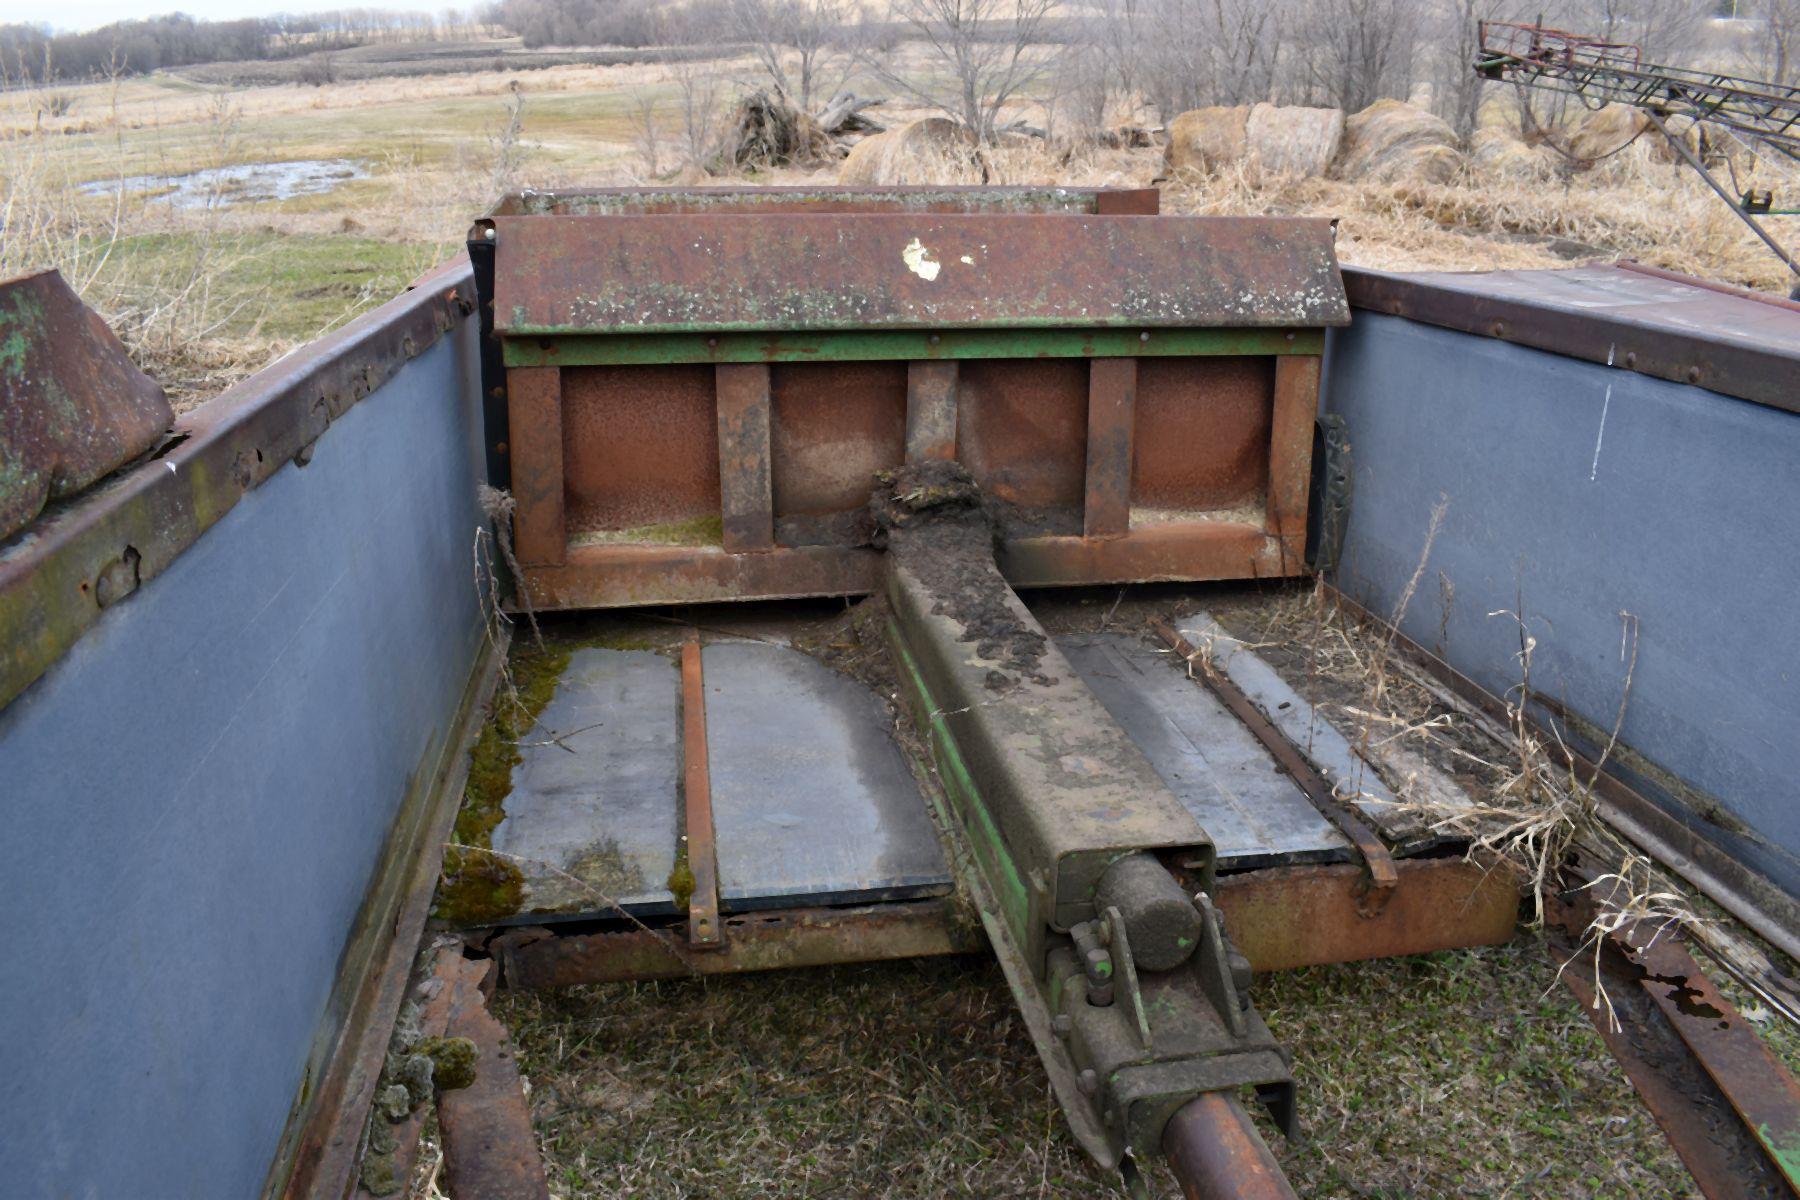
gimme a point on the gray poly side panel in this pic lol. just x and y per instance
(811, 797)
(591, 819)
(196, 795)
(1254, 814)
(1585, 493)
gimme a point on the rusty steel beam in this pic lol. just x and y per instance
(434, 1017)
(746, 497)
(1216, 1153)
(1304, 916)
(1156, 553)
(1112, 403)
(1290, 443)
(490, 1147)
(1693, 1070)
(629, 575)
(874, 271)
(755, 941)
(50, 582)
(1753, 1081)
(1280, 918)
(704, 930)
(931, 410)
(536, 429)
(1377, 859)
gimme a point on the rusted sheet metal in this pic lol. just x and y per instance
(1290, 443)
(1725, 1156)
(641, 446)
(1200, 549)
(433, 999)
(1305, 916)
(1377, 860)
(620, 576)
(1740, 1064)
(757, 941)
(539, 531)
(625, 576)
(648, 201)
(785, 271)
(746, 497)
(833, 426)
(73, 406)
(1216, 1153)
(1670, 328)
(1112, 405)
(704, 931)
(1202, 439)
(931, 389)
(55, 579)
(490, 1147)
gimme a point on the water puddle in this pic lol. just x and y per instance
(245, 183)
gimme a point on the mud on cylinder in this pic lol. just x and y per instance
(1160, 917)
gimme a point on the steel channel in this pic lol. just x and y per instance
(535, 403)
(490, 1147)
(756, 941)
(1112, 403)
(1216, 1153)
(1700, 344)
(50, 581)
(704, 930)
(921, 198)
(1376, 857)
(746, 497)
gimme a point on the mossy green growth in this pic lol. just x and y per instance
(681, 877)
(705, 530)
(477, 887)
(452, 1061)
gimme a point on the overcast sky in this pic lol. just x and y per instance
(70, 16)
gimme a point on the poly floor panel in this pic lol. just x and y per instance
(1254, 813)
(590, 821)
(813, 802)
(811, 795)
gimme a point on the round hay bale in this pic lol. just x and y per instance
(925, 151)
(1496, 152)
(1394, 142)
(1292, 141)
(1207, 139)
(1606, 132)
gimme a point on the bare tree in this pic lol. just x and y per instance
(1358, 51)
(983, 54)
(1773, 52)
(1457, 91)
(802, 45)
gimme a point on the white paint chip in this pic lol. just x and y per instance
(918, 260)
(968, 260)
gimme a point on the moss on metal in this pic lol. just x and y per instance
(479, 887)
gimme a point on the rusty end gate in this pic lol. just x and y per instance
(938, 395)
(698, 387)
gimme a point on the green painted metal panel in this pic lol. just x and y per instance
(587, 350)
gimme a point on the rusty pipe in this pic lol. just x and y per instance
(1216, 1153)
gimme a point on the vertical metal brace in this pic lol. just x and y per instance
(1112, 404)
(534, 397)
(705, 932)
(746, 498)
(1290, 450)
(931, 410)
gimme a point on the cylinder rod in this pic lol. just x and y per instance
(1216, 1153)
